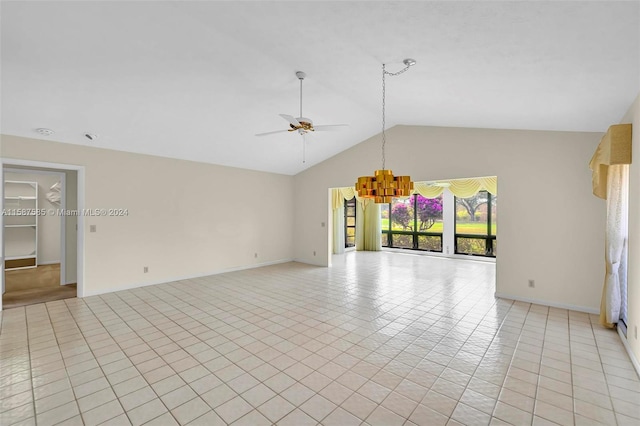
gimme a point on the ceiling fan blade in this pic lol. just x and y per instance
(272, 133)
(291, 120)
(330, 127)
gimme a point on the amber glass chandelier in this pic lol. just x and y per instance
(383, 186)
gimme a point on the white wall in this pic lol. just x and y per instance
(184, 218)
(551, 228)
(48, 225)
(633, 294)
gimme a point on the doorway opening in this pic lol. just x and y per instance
(41, 233)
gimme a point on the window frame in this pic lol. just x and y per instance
(415, 233)
(346, 225)
(488, 238)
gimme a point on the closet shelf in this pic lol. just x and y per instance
(21, 244)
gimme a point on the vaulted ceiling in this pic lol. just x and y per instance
(197, 80)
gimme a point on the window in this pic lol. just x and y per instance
(412, 223)
(350, 222)
(476, 225)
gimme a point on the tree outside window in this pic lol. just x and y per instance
(413, 223)
(476, 219)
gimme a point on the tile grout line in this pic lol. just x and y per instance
(604, 374)
(311, 323)
(90, 350)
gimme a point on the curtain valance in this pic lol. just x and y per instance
(462, 188)
(465, 188)
(427, 190)
(338, 195)
(614, 148)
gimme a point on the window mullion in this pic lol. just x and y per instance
(415, 221)
(487, 243)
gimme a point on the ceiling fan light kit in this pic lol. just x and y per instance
(382, 187)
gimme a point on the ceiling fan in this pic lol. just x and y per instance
(301, 124)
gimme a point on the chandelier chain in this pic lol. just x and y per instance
(403, 70)
(384, 89)
(384, 136)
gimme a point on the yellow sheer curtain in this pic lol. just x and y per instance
(360, 206)
(338, 221)
(368, 229)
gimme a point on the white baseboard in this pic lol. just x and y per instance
(185, 277)
(307, 262)
(549, 303)
(627, 347)
(52, 262)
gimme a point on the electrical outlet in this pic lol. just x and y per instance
(255, 255)
(145, 269)
(322, 224)
(314, 252)
(532, 283)
(92, 228)
(447, 249)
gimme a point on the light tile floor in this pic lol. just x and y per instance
(379, 339)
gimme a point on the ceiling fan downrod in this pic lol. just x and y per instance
(301, 75)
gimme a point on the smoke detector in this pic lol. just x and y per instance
(44, 132)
